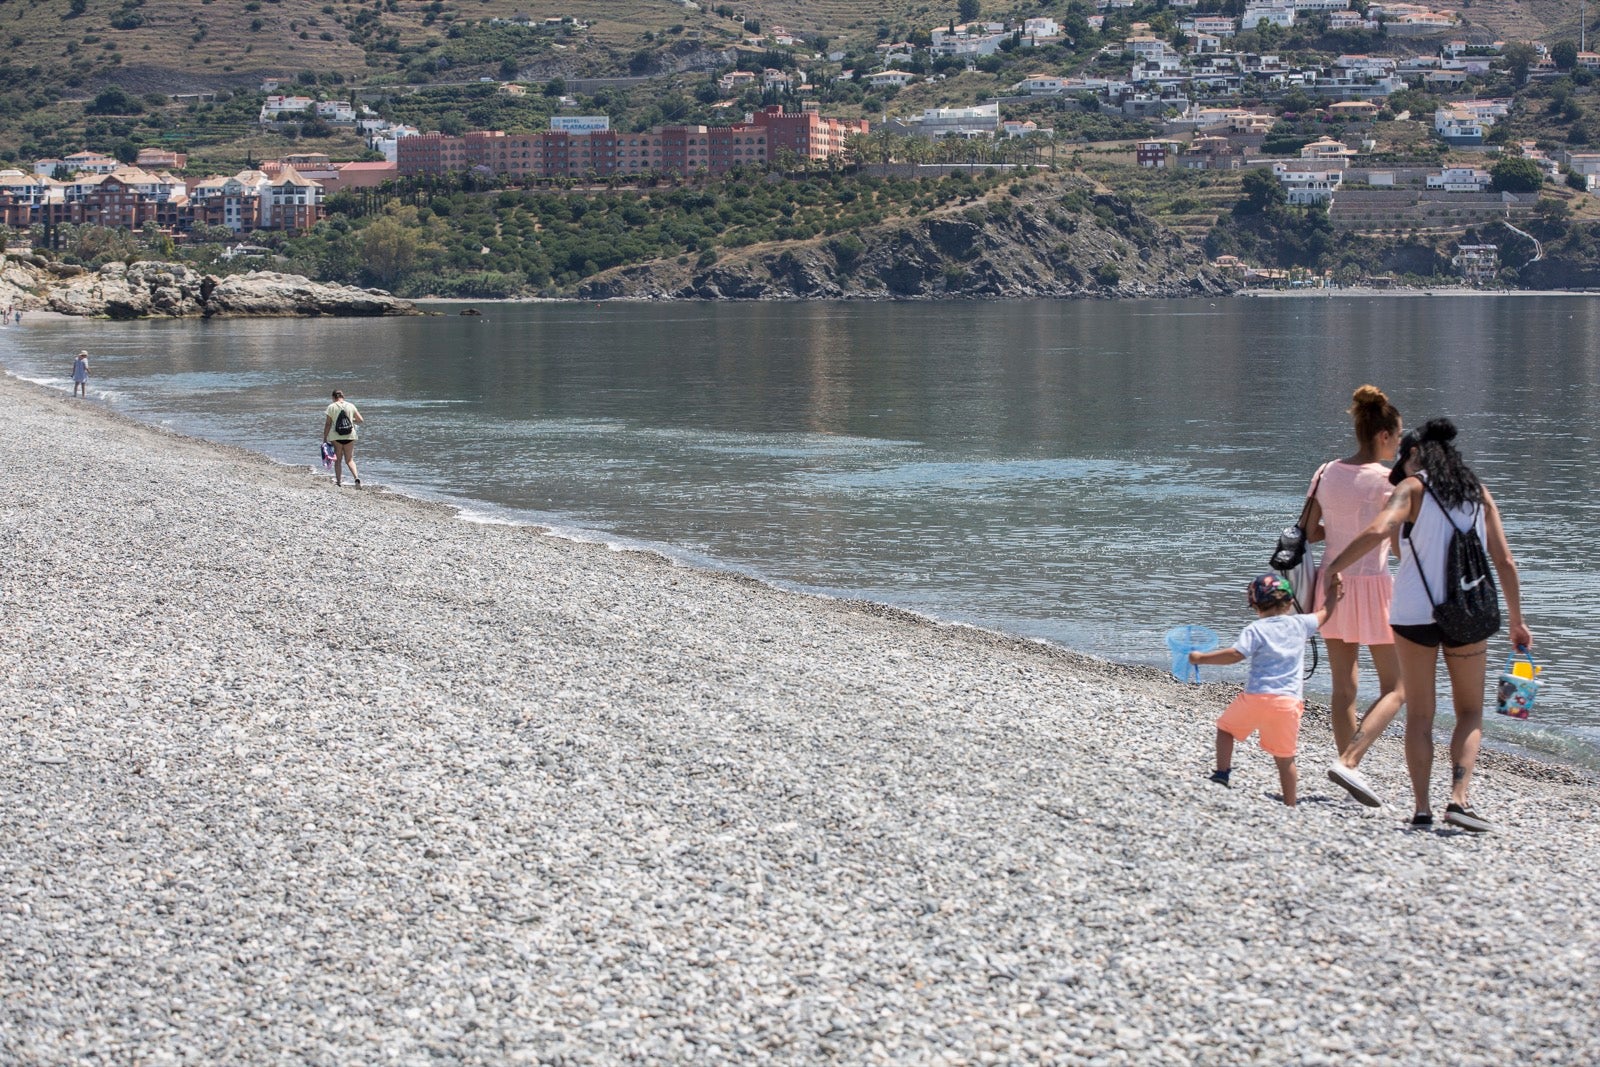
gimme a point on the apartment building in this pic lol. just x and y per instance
(806, 132)
(680, 149)
(130, 197)
(291, 203)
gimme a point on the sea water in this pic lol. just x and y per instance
(1086, 473)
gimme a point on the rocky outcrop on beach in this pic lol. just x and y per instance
(995, 249)
(173, 290)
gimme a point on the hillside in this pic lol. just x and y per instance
(101, 74)
(640, 61)
(1045, 236)
(974, 232)
(195, 45)
(61, 53)
(76, 47)
(1529, 20)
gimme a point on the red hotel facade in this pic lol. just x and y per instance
(685, 149)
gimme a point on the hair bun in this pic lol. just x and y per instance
(1441, 430)
(1368, 395)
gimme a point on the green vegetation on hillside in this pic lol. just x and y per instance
(1263, 228)
(434, 239)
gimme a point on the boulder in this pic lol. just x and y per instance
(269, 293)
(139, 290)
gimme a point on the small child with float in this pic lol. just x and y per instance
(1274, 692)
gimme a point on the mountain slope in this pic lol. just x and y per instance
(1056, 238)
(192, 45)
(171, 45)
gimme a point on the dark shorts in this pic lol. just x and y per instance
(1428, 635)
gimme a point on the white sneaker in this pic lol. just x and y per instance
(1354, 783)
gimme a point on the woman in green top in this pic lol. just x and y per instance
(339, 430)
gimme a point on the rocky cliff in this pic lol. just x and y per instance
(996, 249)
(161, 290)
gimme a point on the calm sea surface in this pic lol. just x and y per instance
(1090, 473)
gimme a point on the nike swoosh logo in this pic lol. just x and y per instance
(1467, 586)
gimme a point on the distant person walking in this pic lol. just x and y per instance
(80, 375)
(1346, 495)
(1436, 495)
(339, 430)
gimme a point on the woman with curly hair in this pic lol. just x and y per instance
(1435, 494)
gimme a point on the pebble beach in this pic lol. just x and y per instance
(298, 774)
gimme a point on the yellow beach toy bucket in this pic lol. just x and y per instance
(1519, 685)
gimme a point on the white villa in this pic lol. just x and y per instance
(981, 120)
(1460, 180)
(277, 107)
(894, 78)
(1042, 85)
(1305, 186)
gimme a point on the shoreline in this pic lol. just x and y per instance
(1578, 757)
(1365, 291)
(1357, 291)
(1251, 294)
(462, 510)
(299, 773)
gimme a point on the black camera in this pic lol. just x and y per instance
(1291, 549)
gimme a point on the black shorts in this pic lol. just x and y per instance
(1428, 635)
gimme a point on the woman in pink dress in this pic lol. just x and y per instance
(1346, 496)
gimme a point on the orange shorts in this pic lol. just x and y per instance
(1276, 715)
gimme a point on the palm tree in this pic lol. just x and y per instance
(1036, 142)
(883, 142)
(856, 147)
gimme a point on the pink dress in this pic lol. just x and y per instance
(1351, 496)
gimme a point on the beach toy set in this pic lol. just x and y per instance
(1519, 685)
(1182, 640)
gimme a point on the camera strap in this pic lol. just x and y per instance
(1305, 511)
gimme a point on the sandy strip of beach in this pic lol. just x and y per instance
(298, 774)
